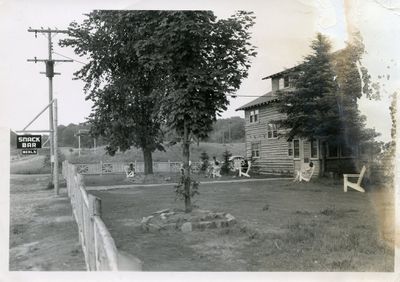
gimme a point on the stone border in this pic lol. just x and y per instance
(213, 220)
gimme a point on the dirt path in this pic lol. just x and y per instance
(43, 233)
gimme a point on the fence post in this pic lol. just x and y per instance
(101, 167)
(169, 166)
(94, 210)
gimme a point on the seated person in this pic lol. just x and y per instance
(130, 171)
(215, 168)
(304, 174)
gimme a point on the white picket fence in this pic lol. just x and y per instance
(119, 168)
(97, 244)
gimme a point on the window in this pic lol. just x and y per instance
(290, 149)
(314, 148)
(281, 83)
(333, 150)
(296, 148)
(286, 81)
(255, 150)
(272, 131)
(254, 116)
(348, 151)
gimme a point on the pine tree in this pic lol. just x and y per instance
(204, 161)
(226, 166)
(311, 108)
(323, 103)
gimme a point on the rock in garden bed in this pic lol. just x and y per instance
(186, 222)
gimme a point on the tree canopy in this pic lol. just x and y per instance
(204, 59)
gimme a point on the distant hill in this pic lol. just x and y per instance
(227, 130)
(224, 131)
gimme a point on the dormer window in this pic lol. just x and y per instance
(283, 82)
(254, 116)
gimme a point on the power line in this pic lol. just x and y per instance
(231, 95)
(69, 58)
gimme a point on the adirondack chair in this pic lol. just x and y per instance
(307, 174)
(357, 185)
(247, 171)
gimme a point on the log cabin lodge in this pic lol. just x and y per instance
(273, 154)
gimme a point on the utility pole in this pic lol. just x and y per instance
(79, 134)
(49, 63)
(230, 137)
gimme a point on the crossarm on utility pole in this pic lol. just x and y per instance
(45, 60)
(30, 131)
(47, 30)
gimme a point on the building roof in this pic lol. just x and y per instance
(262, 100)
(278, 74)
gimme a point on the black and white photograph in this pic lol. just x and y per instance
(209, 141)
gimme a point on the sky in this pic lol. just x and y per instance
(282, 34)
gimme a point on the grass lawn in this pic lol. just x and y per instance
(29, 165)
(157, 178)
(281, 226)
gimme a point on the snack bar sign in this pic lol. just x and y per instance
(29, 143)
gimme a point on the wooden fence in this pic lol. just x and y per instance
(119, 168)
(97, 244)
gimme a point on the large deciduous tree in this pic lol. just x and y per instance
(126, 94)
(152, 66)
(205, 60)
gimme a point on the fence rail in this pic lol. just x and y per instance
(119, 168)
(98, 246)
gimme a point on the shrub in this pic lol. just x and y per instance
(204, 161)
(61, 158)
(226, 166)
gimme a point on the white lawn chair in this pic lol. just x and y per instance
(357, 185)
(305, 173)
(247, 171)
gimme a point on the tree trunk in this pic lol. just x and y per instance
(323, 152)
(186, 170)
(148, 161)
